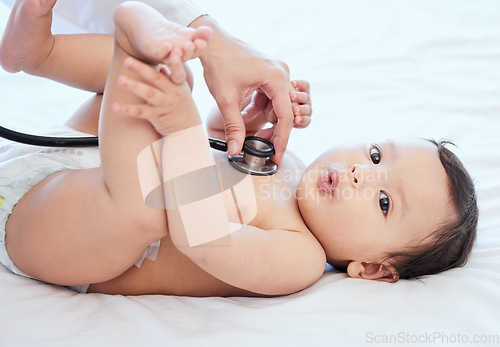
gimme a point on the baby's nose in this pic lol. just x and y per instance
(356, 174)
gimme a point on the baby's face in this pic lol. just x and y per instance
(364, 201)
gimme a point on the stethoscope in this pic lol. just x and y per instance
(253, 159)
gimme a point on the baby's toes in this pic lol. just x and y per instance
(188, 51)
(203, 33)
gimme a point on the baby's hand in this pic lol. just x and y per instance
(260, 104)
(301, 103)
(301, 106)
(160, 89)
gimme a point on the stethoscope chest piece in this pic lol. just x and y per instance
(265, 169)
(254, 159)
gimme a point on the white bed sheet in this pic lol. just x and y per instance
(378, 68)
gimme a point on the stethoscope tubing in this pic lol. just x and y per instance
(250, 152)
(48, 141)
(86, 141)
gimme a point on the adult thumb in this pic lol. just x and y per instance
(235, 129)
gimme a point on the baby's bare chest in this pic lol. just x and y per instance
(266, 202)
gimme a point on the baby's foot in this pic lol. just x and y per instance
(145, 34)
(166, 97)
(27, 40)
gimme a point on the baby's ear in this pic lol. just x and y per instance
(372, 271)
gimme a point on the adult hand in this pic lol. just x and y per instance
(259, 110)
(233, 70)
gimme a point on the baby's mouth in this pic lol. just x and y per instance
(328, 181)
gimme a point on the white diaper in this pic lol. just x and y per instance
(23, 166)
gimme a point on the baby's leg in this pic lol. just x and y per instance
(27, 40)
(81, 61)
(97, 225)
(143, 33)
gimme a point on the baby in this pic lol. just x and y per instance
(380, 211)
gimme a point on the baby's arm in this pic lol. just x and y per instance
(241, 255)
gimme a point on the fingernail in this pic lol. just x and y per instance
(277, 158)
(232, 147)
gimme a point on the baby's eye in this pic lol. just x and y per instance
(375, 154)
(384, 203)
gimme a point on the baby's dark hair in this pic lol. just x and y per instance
(449, 246)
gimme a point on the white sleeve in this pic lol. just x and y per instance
(96, 16)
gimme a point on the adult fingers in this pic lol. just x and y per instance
(283, 109)
(255, 107)
(278, 90)
(234, 126)
(266, 133)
